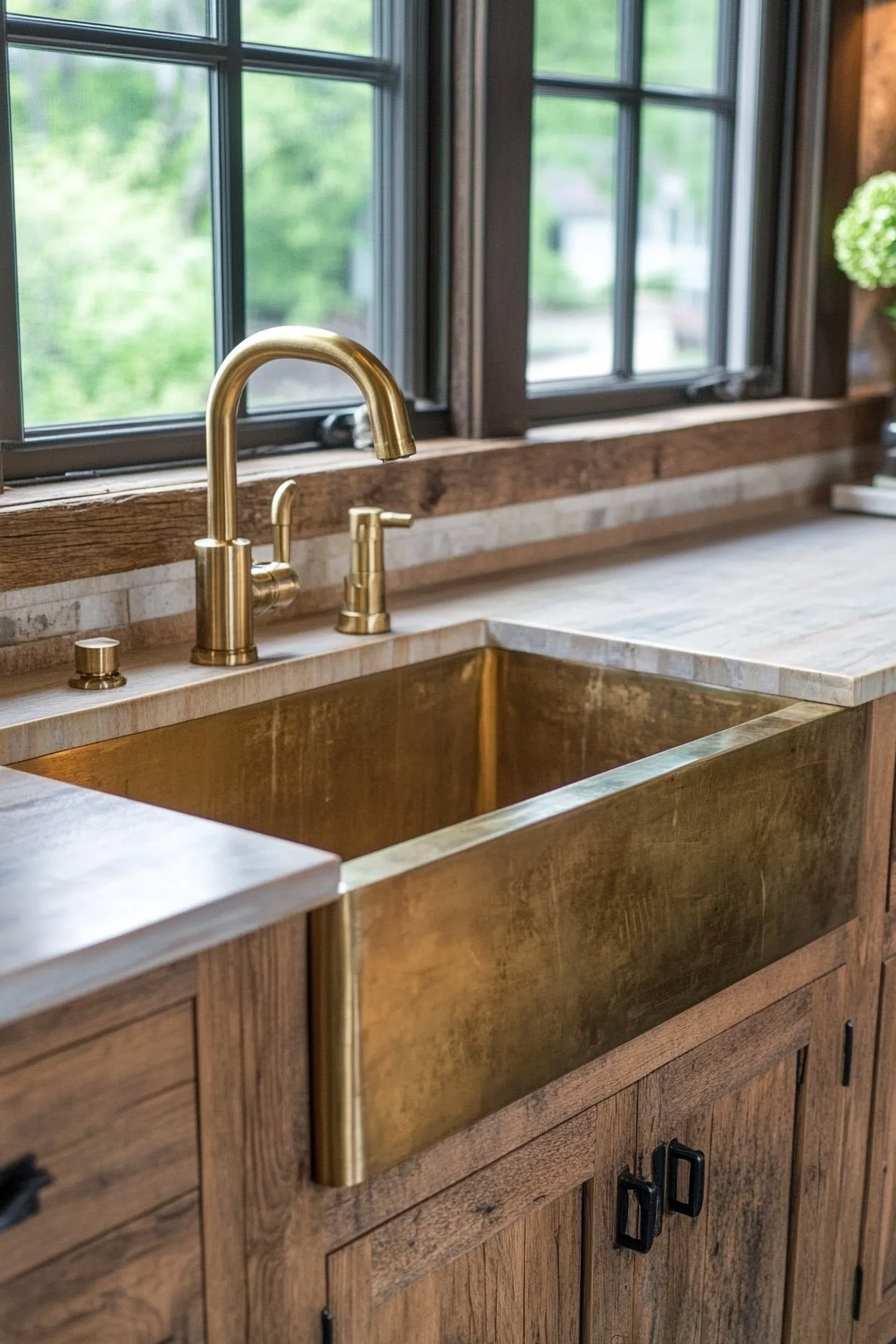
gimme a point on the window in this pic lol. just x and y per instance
(185, 173)
(592, 195)
(645, 198)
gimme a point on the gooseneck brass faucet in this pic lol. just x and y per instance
(229, 587)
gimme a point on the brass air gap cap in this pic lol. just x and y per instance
(96, 665)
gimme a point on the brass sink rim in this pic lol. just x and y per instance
(423, 850)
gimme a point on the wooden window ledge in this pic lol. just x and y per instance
(117, 523)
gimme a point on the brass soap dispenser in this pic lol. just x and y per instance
(364, 607)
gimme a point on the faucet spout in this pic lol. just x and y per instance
(392, 437)
(228, 586)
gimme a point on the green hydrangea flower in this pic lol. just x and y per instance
(865, 234)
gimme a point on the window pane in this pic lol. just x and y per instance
(673, 255)
(317, 25)
(573, 239)
(163, 16)
(309, 242)
(112, 209)
(577, 37)
(681, 43)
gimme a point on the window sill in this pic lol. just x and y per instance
(118, 523)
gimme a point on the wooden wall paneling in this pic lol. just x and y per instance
(141, 1284)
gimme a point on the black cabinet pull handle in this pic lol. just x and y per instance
(695, 1161)
(647, 1198)
(20, 1185)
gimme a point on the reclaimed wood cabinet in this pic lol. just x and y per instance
(527, 1249)
(101, 1099)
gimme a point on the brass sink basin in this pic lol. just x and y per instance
(542, 860)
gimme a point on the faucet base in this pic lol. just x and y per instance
(363, 623)
(224, 657)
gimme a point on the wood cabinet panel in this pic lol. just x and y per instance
(747, 1206)
(57, 1028)
(114, 1122)
(141, 1284)
(495, 1258)
(521, 1285)
(764, 1102)
(879, 1289)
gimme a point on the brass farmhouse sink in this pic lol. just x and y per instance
(543, 859)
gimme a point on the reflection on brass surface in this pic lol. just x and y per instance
(229, 587)
(477, 954)
(364, 604)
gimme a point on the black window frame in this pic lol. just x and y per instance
(495, 87)
(410, 185)
(463, 244)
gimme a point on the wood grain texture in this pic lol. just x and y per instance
(747, 1210)
(879, 1252)
(105, 528)
(862, 1002)
(55, 1103)
(452, 1223)
(718, 1098)
(281, 1277)
(818, 1195)
(608, 1273)
(142, 996)
(696, 1079)
(521, 1285)
(141, 1284)
(222, 1125)
(136, 1160)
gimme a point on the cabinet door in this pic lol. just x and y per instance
(525, 1251)
(878, 1315)
(496, 1258)
(736, 1273)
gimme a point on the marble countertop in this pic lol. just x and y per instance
(803, 607)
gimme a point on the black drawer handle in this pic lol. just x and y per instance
(695, 1161)
(20, 1184)
(647, 1199)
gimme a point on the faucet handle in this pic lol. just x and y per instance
(281, 520)
(396, 519)
(276, 583)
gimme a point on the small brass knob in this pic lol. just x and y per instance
(96, 665)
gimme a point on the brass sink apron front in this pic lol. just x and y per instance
(542, 860)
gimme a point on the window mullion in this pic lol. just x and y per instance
(227, 186)
(628, 163)
(11, 410)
